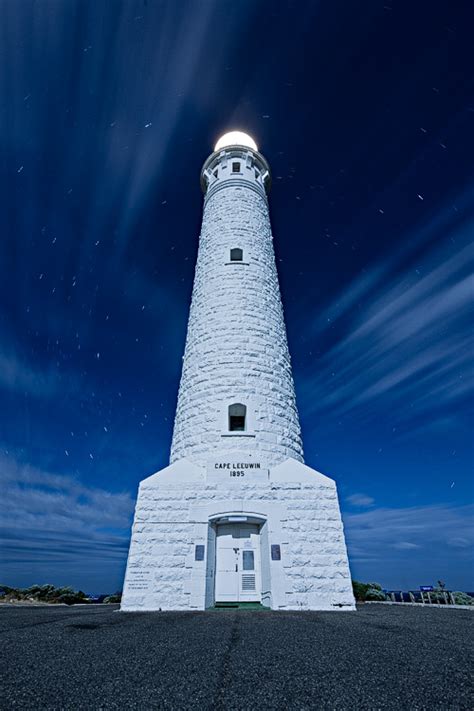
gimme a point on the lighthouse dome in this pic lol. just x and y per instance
(235, 138)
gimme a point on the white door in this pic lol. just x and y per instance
(238, 563)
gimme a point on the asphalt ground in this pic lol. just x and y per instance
(380, 657)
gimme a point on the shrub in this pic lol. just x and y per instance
(375, 594)
(462, 598)
(367, 591)
(45, 593)
(375, 586)
(116, 597)
(71, 598)
(359, 590)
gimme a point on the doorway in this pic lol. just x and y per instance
(238, 576)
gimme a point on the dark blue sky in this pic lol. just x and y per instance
(365, 112)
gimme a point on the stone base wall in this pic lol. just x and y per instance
(299, 511)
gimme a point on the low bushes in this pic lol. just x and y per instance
(43, 593)
(50, 594)
(367, 591)
(373, 592)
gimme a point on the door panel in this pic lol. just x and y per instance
(238, 563)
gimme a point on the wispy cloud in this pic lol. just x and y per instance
(131, 139)
(361, 500)
(403, 545)
(17, 375)
(21, 372)
(371, 532)
(400, 337)
(459, 542)
(54, 525)
(406, 546)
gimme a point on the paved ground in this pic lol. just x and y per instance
(380, 657)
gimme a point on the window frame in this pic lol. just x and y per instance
(237, 411)
(232, 254)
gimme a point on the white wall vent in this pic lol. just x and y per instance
(248, 583)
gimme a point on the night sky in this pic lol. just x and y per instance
(365, 112)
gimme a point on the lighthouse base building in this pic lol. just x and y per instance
(237, 531)
(237, 518)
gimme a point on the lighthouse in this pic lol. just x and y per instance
(237, 518)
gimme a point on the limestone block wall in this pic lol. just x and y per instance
(301, 512)
(236, 348)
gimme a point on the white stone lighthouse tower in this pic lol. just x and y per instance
(237, 517)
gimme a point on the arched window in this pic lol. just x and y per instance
(237, 413)
(236, 254)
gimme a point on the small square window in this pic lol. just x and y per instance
(236, 167)
(236, 254)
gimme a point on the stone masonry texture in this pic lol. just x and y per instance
(236, 348)
(303, 517)
(237, 352)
